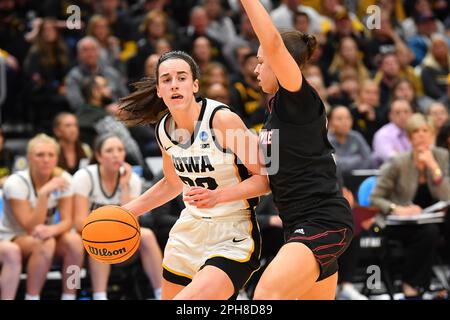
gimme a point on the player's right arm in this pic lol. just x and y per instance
(162, 192)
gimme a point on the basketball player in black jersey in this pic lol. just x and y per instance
(317, 220)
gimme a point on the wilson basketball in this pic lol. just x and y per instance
(111, 234)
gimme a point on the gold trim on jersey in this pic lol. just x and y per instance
(176, 272)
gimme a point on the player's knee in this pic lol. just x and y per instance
(12, 255)
(73, 245)
(46, 249)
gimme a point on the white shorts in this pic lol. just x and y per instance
(232, 243)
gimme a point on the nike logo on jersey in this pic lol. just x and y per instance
(300, 231)
(240, 240)
(167, 148)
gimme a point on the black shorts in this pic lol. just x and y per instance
(326, 237)
(238, 272)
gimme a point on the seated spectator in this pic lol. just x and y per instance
(366, 112)
(419, 43)
(98, 27)
(45, 66)
(102, 184)
(219, 92)
(74, 153)
(403, 88)
(220, 27)
(100, 116)
(436, 67)
(89, 65)
(438, 114)
(351, 150)
(410, 182)
(346, 89)
(446, 98)
(10, 269)
(246, 94)
(31, 199)
(153, 28)
(391, 138)
(348, 55)
(387, 75)
(6, 160)
(405, 58)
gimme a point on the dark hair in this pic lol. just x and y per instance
(443, 134)
(100, 141)
(87, 86)
(298, 14)
(57, 119)
(300, 45)
(143, 106)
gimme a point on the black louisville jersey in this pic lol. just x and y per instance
(307, 168)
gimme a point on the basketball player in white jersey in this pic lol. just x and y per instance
(31, 198)
(211, 253)
(111, 181)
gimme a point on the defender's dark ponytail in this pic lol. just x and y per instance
(300, 45)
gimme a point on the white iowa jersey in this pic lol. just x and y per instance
(86, 182)
(201, 162)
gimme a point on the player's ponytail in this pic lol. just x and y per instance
(300, 45)
(143, 106)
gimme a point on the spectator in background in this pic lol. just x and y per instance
(10, 269)
(220, 27)
(419, 43)
(438, 113)
(348, 55)
(387, 75)
(31, 198)
(245, 42)
(102, 184)
(98, 27)
(301, 21)
(247, 94)
(99, 116)
(403, 88)
(446, 98)
(120, 24)
(45, 66)
(367, 115)
(410, 26)
(153, 28)
(215, 72)
(345, 90)
(6, 160)
(351, 150)
(383, 39)
(202, 52)
(392, 139)
(219, 92)
(198, 27)
(74, 154)
(436, 68)
(410, 182)
(405, 58)
(89, 64)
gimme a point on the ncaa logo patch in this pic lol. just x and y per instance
(203, 136)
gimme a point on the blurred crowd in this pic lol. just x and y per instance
(382, 72)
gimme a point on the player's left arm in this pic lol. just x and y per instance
(232, 134)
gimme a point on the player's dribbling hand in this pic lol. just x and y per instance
(201, 197)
